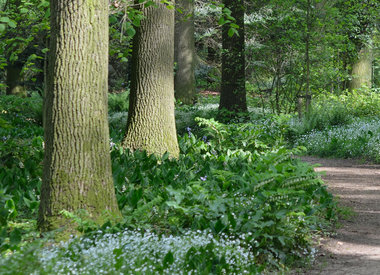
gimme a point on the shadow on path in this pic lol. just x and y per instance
(355, 249)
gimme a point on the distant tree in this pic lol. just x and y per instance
(77, 164)
(23, 34)
(361, 73)
(184, 83)
(359, 21)
(233, 92)
(151, 122)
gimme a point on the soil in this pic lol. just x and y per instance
(354, 248)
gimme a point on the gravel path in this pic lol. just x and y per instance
(355, 249)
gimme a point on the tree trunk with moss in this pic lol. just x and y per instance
(77, 165)
(185, 52)
(151, 122)
(13, 80)
(361, 74)
(233, 93)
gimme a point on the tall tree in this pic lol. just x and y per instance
(233, 92)
(361, 73)
(184, 43)
(360, 20)
(77, 165)
(23, 30)
(307, 54)
(151, 122)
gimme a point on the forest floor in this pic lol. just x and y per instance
(354, 248)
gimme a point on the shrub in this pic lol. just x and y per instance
(21, 150)
(118, 102)
(218, 185)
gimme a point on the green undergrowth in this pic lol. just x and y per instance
(235, 201)
(342, 126)
(21, 154)
(359, 139)
(228, 181)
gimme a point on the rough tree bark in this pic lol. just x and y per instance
(77, 165)
(151, 122)
(233, 92)
(184, 83)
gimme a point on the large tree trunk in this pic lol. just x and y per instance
(185, 52)
(233, 93)
(77, 165)
(361, 74)
(151, 122)
(13, 80)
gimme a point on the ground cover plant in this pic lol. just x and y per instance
(345, 125)
(235, 194)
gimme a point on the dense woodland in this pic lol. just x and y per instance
(162, 137)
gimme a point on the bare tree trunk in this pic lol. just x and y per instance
(77, 165)
(233, 92)
(307, 57)
(361, 74)
(185, 52)
(151, 122)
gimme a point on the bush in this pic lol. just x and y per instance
(21, 154)
(218, 185)
(21, 150)
(118, 102)
(358, 103)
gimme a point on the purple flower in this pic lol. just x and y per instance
(204, 138)
(204, 178)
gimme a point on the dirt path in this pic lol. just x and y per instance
(355, 249)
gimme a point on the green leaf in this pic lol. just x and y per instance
(130, 32)
(235, 26)
(134, 196)
(218, 227)
(4, 19)
(15, 237)
(221, 21)
(232, 31)
(168, 260)
(112, 19)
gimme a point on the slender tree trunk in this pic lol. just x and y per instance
(307, 57)
(77, 165)
(233, 93)
(361, 74)
(151, 122)
(185, 52)
(13, 80)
